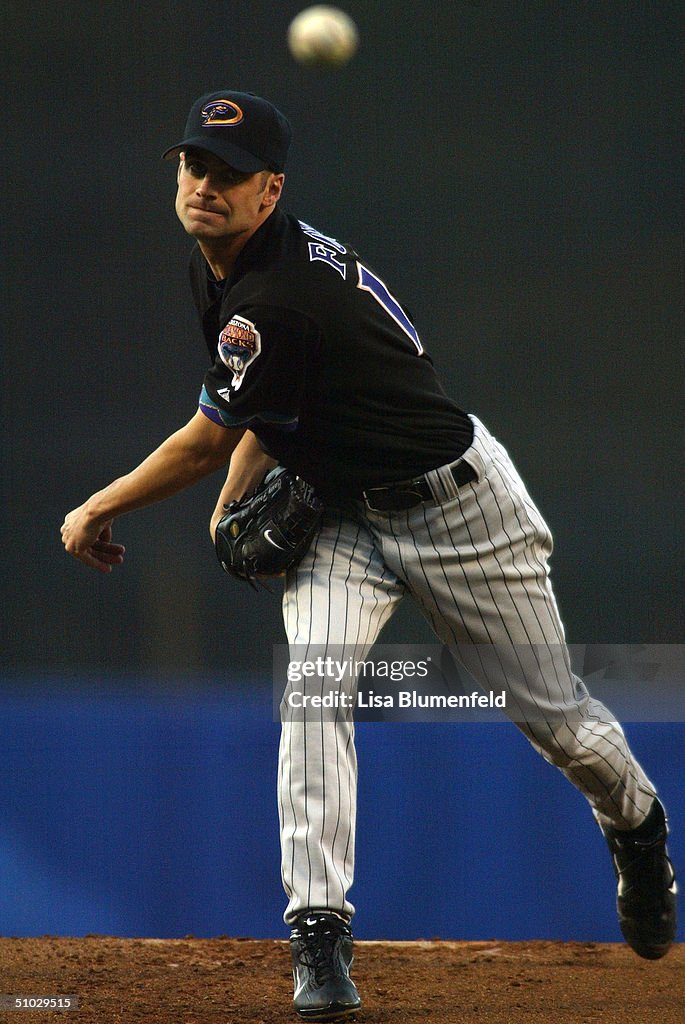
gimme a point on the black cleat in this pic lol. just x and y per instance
(321, 950)
(646, 896)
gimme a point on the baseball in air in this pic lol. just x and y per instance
(322, 36)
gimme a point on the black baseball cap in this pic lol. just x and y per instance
(242, 129)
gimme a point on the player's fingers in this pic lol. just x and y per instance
(108, 558)
(93, 562)
(106, 554)
(107, 550)
(98, 556)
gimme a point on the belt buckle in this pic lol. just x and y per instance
(402, 498)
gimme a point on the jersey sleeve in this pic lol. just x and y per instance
(259, 369)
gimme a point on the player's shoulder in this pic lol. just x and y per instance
(324, 263)
(320, 246)
(302, 264)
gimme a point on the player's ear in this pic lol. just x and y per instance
(181, 161)
(273, 189)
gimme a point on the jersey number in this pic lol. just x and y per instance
(368, 282)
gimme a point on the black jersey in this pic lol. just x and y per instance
(314, 353)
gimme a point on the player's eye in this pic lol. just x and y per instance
(196, 169)
(229, 177)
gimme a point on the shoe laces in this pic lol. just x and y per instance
(319, 941)
(643, 858)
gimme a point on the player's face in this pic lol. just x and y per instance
(216, 203)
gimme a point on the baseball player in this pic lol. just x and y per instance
(316, 365)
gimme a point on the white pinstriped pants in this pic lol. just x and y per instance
(475, 562)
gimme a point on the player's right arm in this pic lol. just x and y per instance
(199, 448)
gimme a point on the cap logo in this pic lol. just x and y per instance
(221, 112)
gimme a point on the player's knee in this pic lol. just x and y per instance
(569, 743)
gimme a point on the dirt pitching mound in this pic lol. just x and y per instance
(244, 981)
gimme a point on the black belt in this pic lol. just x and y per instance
(409, 493)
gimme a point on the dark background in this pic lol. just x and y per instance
(514, 172)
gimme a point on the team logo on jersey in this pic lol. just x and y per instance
(221, 112)
(239, 345)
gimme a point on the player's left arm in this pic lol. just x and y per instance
(265, 384)
(249, 465)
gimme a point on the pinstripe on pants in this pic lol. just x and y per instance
(476, 562)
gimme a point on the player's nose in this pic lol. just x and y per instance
(207, 186)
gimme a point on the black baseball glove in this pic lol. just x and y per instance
(266, 533)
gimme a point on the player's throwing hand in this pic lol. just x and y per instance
(91, 541)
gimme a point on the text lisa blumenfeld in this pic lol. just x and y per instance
(402, 699)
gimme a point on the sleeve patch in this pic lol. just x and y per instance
(239, 345)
